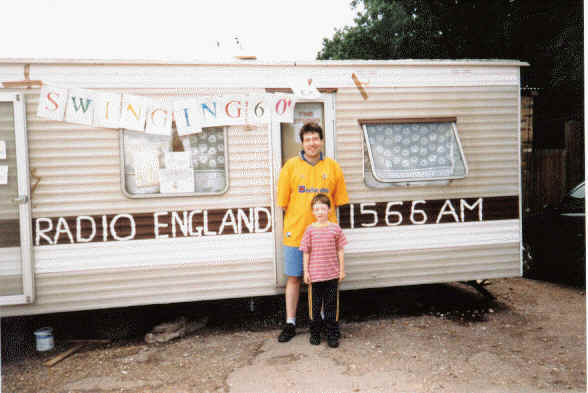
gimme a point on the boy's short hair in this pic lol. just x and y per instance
(310, 127)
(320, 198)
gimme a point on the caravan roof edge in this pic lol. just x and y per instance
(403, 62)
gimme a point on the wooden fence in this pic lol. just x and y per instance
(544, 178)
(548, 174)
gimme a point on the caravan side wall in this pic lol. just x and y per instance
(76, 172)
(488, 124)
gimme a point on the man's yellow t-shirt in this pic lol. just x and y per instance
(299, 182)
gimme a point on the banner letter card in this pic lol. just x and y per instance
(233, 110)
(134, 112)
(283, 107)
(211, 111)
(187, 114)
(80, 107)
(258, 109)
(159, 118)
(52, 103)
(107, 110)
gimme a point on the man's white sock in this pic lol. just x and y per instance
(291, 320)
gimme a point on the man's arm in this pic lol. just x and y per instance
(340, 196)
(284, 187)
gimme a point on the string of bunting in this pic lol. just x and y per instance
(144, 114)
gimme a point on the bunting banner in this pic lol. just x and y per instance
(155, 116)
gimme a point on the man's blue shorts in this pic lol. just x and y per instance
(292, 261)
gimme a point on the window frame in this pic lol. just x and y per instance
(173, 195)
(412, 180)
(24, 201)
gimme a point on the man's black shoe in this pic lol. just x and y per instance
(315, 339)
(288, 332)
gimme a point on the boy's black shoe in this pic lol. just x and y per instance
(315, 338)
(333, 341)
(288, 332)
(325, 330)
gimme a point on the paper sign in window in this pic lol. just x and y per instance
(179, 180)
(146, 164)
(177, 160)
(2, 150)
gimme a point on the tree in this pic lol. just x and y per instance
(545, 33)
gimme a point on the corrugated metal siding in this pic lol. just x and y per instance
(78, 168)
(423, 266)
(138, 286)
(487, 122)
(79, 172)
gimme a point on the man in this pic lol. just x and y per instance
(301, 178)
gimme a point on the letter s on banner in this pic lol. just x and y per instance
(52, 103)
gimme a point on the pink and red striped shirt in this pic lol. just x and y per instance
(322, 243)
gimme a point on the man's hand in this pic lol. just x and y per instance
(306, 278)
(341, 275)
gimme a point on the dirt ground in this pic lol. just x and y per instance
(432, 338)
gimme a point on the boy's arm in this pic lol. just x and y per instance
(305, 260)
(340, 256)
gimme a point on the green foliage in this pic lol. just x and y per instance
(547, 34)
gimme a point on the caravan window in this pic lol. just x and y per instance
(156, 165)
(412, 152)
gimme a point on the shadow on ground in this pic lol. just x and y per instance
(455, 302)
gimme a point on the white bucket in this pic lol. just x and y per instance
(44, 337)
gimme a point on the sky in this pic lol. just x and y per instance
(170, 29)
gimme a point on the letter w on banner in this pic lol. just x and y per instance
(283, 107)
(80, 107)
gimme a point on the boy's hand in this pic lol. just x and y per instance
(306, 278)
(341, 275)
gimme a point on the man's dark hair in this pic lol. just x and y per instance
(320, 198)
(310, 127)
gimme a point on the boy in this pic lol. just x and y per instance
(322, 246)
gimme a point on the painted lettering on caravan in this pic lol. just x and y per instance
(419, 212)
(85, 229)
(158, 225)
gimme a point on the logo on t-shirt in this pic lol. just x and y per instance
(303, 189)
